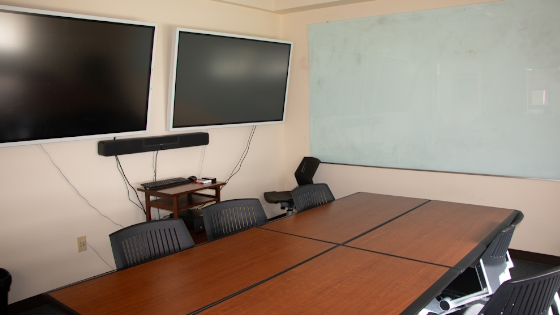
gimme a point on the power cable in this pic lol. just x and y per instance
(237, 167)
(202, 162)
(100, 256)
(121, 171)
(154, 166)
(69, 183)
(50, 158)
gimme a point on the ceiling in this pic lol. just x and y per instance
(288, 6)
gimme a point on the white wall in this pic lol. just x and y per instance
(41, 216)
(539, 200)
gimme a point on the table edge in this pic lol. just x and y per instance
(415, 307)
(63, 307)
(479, 249)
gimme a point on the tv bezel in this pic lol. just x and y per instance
(8, 9)
(173, 76)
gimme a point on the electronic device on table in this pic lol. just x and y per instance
(221, 80)
(76, 76)
(168, 182)
(206, 180)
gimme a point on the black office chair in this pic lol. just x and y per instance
(304, 176)
(146, 241)
(532, 295)
(311, 196)
(228, 217)
(484, 277)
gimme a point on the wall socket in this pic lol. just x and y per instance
(82, 245)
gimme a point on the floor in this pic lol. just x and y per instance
(45, 310)
(520, 269)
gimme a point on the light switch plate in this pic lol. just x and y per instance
(82, 245)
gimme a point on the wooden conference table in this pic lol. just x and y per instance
(362, 254)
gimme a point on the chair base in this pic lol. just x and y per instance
(476, 307)
(289, 206)
(490, 277)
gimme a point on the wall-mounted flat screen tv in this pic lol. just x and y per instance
(222, 80)
(70, 77)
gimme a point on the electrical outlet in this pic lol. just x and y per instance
(82, 245)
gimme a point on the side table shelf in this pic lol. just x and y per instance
(180, 197)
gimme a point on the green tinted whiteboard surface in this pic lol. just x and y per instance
(470, 89)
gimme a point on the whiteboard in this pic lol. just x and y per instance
(469, 89)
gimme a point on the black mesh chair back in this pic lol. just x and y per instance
(311, 196)
(306, 170)
(143, 242)
(497, 250)
(531, 295)
(232, 216)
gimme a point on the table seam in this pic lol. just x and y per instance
(202, 309)
(354, 237)
(384, 223)
(309, 238)
(396, 256)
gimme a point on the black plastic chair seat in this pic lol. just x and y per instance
(278, 196)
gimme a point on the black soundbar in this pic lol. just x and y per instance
(137, 145)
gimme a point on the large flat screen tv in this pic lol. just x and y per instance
(222, 80)
(69, 77)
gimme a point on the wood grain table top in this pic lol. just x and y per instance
(438, 232)
(345, 218)
(344, 281)
(192, 279)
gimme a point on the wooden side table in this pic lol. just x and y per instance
(180, 197)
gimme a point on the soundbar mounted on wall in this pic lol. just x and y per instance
(138, 145)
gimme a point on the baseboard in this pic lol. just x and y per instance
(536, 258)
(277, 217)
(27, 304)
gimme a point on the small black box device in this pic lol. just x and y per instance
(192, 218)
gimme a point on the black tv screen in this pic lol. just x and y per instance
(224, 80)
(64, 76)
